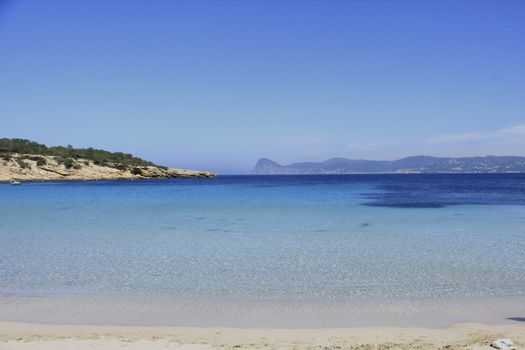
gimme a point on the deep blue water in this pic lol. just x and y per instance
(268, 237)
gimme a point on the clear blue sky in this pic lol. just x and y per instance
(218, 84)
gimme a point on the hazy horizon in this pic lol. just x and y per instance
(219, 84)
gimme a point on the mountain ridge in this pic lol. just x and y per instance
(411, 164)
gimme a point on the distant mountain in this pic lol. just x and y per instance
(416, 164)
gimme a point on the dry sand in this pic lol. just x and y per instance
(22, 336)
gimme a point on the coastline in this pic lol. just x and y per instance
(175, 312)
(25, 336)
(110, 322)
(32, 167)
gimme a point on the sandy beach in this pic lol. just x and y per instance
(460, 336)
(102, 322)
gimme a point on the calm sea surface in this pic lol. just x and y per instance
(267, 237)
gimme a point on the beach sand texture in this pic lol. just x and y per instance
(23, 336)
(60, 322)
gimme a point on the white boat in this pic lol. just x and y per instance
(13, 182)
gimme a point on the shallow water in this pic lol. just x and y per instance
(268, 237)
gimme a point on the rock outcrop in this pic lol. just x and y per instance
(39, 167)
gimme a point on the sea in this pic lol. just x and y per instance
(278, 238)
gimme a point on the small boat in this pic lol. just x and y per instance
(13, 182)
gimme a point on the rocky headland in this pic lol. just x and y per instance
(67, 163)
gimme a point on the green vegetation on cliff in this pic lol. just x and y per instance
(98, 156)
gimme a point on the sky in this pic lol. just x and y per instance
(218, 84)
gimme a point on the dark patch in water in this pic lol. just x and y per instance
(168, 228)
(364, 224)
(217, 230)
(406, 205)
(321, 230)
(518, 319)
(442, 190)
(200, 218)
(61, 209)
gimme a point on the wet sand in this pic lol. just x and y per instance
(135, 311)
(103, 322)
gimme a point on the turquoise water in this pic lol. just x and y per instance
(267, 237)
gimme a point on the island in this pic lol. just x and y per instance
(22, 159)
(408, 165)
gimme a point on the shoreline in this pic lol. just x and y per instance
(39, 167)
(25, 336)
(122, 179)
(176, 312)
